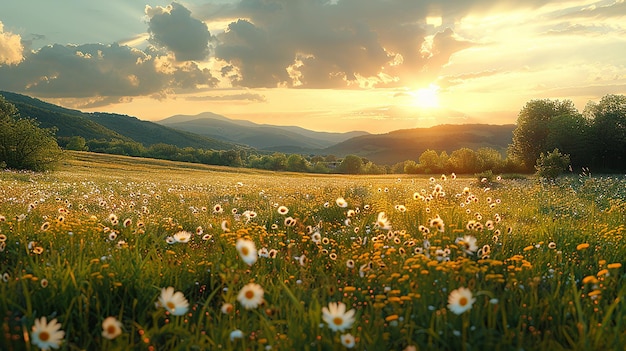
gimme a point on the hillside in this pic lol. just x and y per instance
(409, 144)
(108, 126)
(260, 136)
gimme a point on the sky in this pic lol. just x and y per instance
(326, 65)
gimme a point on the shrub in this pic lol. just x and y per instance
(552, 164)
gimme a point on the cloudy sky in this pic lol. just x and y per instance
(335, 65)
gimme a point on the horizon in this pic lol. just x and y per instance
(334, 66)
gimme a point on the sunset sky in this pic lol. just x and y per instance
(374, 65)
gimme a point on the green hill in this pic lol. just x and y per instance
(409, 144)
(108, 126)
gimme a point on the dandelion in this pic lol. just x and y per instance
(341, 202)
(283, 210)
(111, 328)
(347, 340)
(227, 308)
(382, 221)
(173, 301)
(236, 334)
(250, 296)
(47, 335)
(336, 316)
(316, 238)
(460, 300)
(182, 236)
(468, 243)
(247, 251)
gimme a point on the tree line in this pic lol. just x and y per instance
(550, 135)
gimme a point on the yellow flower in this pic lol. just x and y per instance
(582, 246)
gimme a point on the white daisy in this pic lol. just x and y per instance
(336, 316)
(247, 251)
(250, 296)
(460, 300)
(47, 335)
(173, 301)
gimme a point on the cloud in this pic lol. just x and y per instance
(173, 27)
(10, 47)
(232, 97)
(97, 70)
(614, 10)
(318, 44)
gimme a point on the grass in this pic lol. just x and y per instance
(548, 275)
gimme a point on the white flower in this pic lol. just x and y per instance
(250, 296)
(341, 202)
(236, 334)
(347, 340)
(227, 308)
(336, 316)
(468, 243)
(47, 335)
(460, 300)
(111, 328)
(382, 221)
(247, 251)
(173, 301)
(283, 210)
(182, 237)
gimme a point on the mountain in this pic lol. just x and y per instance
(108, 126)
(290, 139)
(409, 144)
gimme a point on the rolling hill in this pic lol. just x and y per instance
(290, 139)
(409, 144)
(108, 126)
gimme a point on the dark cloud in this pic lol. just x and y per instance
(318, 44)
(173, 28)
(99, 70)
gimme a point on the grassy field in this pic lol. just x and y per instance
(257, 260)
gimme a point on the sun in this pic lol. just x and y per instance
(427, 97)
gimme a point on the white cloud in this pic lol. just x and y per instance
(10, 47)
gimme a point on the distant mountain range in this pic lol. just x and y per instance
(212, 131)
(288, 139)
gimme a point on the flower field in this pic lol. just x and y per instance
(116, 253)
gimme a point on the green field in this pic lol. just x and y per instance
(104, 235)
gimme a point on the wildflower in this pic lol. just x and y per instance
(47, 335)
(316, 238)
(382, 221)
(302, 260)
(247, 251)
(552, 245)
(290, 222)
(111, 328)
(460, 300)
(263, 252)
(347, 340)
(170, 239)
(614, 265)
(227, 308)
(182, 236)
(127, 222)
(272, 253)
(250, 296)
(341, 202)
(283, 210)
(173, 301)
(45, 226)
(336, 316)
(437, 222)
(225, 227)
(350, 264)
(199, 230)
(236, 334)
(582, 246)
(218, 208)
(468, 243)
(44, 283)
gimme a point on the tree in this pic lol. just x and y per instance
(465, 160)
(490, 159)
(534, 121)
(429, 161)
(23, 145)
(351, 164)
(77, 143)
(608, 129)
(297, 163)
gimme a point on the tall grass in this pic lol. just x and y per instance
(547, 275)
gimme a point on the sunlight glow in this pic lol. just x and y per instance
(427, 97)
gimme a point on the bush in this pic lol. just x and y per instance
(552, 164)
(23, 145)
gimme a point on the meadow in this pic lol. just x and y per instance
(121, 253)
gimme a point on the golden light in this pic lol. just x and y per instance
(427, 97)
